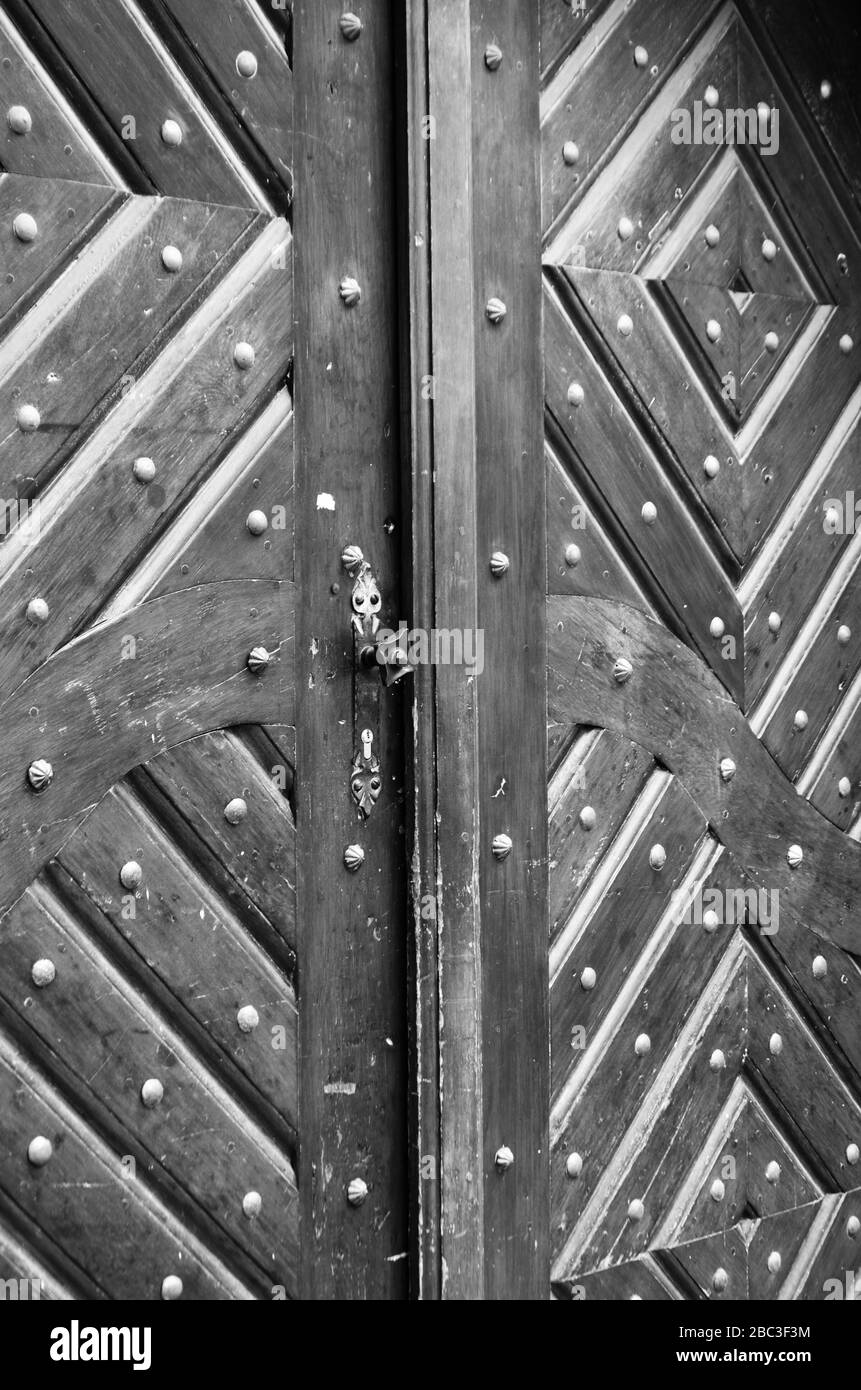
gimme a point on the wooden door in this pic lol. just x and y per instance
(702, 386)
(202, 979)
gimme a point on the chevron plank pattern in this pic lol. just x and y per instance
(145, 360)
(703, 394)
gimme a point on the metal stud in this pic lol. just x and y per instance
(501, 847)
(714, 332)
(794, 856)
(772, 1171)
(28, 419)
(351, 558)
(712, 235)
(152, 1093)
(243, 356)
(357, 1192)
(248, 1018)
(19, 120)
(39, 1151)
(588, 818)
(44, 973)
(642, 1045)
(774, 622)
(711, 466)
(711, 96)
(641, 56)
(37, 611)
(171, 1288)
(853, 1226)
(572, 555)
(588, 978)
(350, 291)
(576, 394)
(131, 875)
(657, 857)
(853, 1153)
(819, 967)
(570, 152)
(236, 810)
(492, 57)
(24, 227)
(774, 1262)
(636, 1210)
(495, 310)
(257, 660)
(351, 26)
(711, 921)
(625, 325)
(499, 564)
(573, 1165)
(503, 1159)
(40, 774)
(257, 522)
(825, 89)
(775, 1044)
(144, 470)
(720, 1279)
(717, 1061)
(844, 787)
(171, 259)
(727, 769)
(800, 720)
(717, 627)
(717, 1191)
(251, 1204)
(354, 858)
(769, 249)
(649, 513)
(846, 344)
(772, 342)
(622, 670)
(625, 228)
(171, 132)
(843, 634)
(246, 64)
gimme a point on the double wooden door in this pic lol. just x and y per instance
(317, 984)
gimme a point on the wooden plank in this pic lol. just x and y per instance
(351, 928)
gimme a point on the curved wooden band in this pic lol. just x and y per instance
(170, 669)
(675, 707)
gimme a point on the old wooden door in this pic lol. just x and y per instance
(702, 330)
(158, 815)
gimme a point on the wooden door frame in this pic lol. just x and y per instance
(473, 435)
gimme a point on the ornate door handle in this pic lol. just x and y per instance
(373, 652)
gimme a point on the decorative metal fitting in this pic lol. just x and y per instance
(354, 858)
(774, 621)
(351, 26)
(588, 978)
(502, 846)
(171, 259)
(495, 310)
(712, 235)
(171, 1288)
(131, 874)
(44, 973)
(492, 57)
(570, 152)
(819, 967)
(39, 1151)
(350, 291)
(243, 356)
(365, 781)
(649, 513)
(853, 1153)
(572, 555)
(772, 1171)
(588, 818)
(352, 559)
(720, 1279)
(499, 563)
(844, 634)
(28, 419)
(144, 470)
(711, 466)
(152, 1093)
(37, 611)
(846, 343)
(236, 810)
(24, 227)
(717, 1061)
(246, 63)
(40, 774)
(636, 1210)
(641, 56)
(794, 856)
(774, 1262)
(727, 769)
(503, 1159)
(717, 1191)
(19, 120)
(844, 787)
(772, 342)
(251, 1204)
(573, 1165)
(357, 1192)
(643, 1045)
(248, 1018)
(576, 394)
(657, 857)
(622, 670)
(257, 660)
(625, 325)
(769, 249)
(717, 627)
(775, 1044)
(625, 228)
(365, 602)
(171, 132)
(257, 522)
(714, 332)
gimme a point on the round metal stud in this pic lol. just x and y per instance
(251, 1204)
(774, 1262)
(794, 856)
(712, 235)
(503, 1159)
(246, 64)
(711, 466)
(643, 1045)
(576, 394)
(501, 847)
(819, 967)
(775, 1044)
(572, 555)
(717, 1061)
(24, 227)
(350, 291)
(843, 634)
(357, 1192)
(354, 858)
(171, 259)
(717, 627)
(772, 1171)
(171, 1288)
(257, 660)
(769, 249)
(853, 1153)
(351, 559)
(350, 26)
(800, 720)
(256, 522)
(44, 973)
(774, 622)
(727, 769)
(499, 564)
(622, 670)
(573, 1165)
(844, 787)
(825, 89)
(152, 1092)
(37, 611)
(720, 1279)
(570, 152)
(40, 774)
(625, 325)
(243, 356)
(772, 342)
(19, 120)
(131, 875)
(717, 1191)
(171, 133)
(711, 921)
(625, 228)
(846, 344)
(492, 57)
(649, 513)
(853, 1226)
(588, 818)
(657, 857)
(28, 419)
(714, 332)
(144, 470)
(248, 1018)
(711, 96)
(641, 56)
(236, 810)
(495, 310)
(636, 1210)
(39, 1151)
(588, 978)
